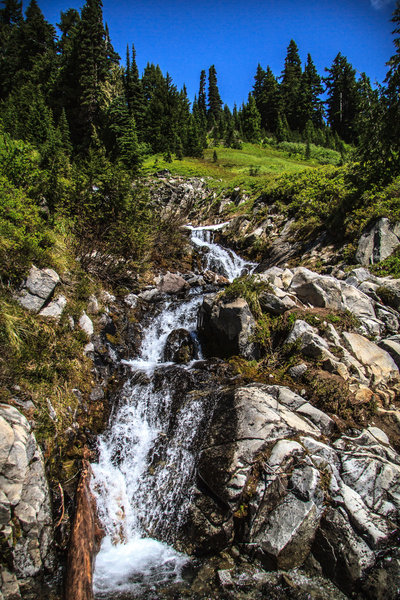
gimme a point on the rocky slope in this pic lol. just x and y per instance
(299, 468)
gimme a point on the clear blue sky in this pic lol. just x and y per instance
(185, 36)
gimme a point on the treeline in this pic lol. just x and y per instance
(69, 94)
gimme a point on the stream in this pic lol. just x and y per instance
(147, 457)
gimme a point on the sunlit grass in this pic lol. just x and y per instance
(248, 167)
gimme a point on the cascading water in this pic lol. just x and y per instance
(218, 259)
(147, 456)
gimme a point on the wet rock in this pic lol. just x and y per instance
(378, 242)
(172, 283)
(345, 557)
(179, 347)
(25, 514)
(285, 540)
(153, 295)
(226, 328)
(84, 543)
(38, 288)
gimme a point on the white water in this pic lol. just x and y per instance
(218, 259)
(143, 478)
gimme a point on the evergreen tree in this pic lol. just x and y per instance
(258, 86)
(282, 129)
(251, 120)
(134, 90)
(391, 123)
(94, 61)
(65, 136)
(343, 99)
(11, 13)
(269, 101)
(38, 35)
(193, 143)
(290, 85)
(310, 104)
(11, 20)
(214, 99)
(201, 101)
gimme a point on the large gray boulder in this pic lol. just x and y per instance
(226, 328)
(378, 242)
(269, 478)
(38, 288)
(325, 291)
(25, 514)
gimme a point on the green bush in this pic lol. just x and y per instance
(23, 235)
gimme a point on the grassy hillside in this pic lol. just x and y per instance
(249, 167)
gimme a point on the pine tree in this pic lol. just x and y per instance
(134, 90)
(94, 61)
(343, 99)
(214, 99)
(11, 13)
(391, 126)
(258, 86)
(269, 101)
(290, 86)
(38, 35)
(65, 137)
(201, 101)
(251, 120)
(11, 20)
(310, 105)
(282, 129)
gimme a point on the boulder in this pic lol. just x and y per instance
(86, 324)
(179, 347)
(25, 513)
(55, 308)
(325, 291)
(378, 362)
(311, 344)
(378, 242)
(274, 305)
(172, 283)
(38, 288)
(225, 328)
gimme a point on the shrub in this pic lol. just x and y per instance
(23, 235)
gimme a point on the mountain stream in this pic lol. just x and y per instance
(147, 457)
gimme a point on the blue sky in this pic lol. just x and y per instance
(185, 36)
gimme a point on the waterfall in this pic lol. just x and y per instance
(216, 258)
(146, 464)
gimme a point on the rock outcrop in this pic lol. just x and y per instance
(378, 242)
(25, 514)
(271, 479)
